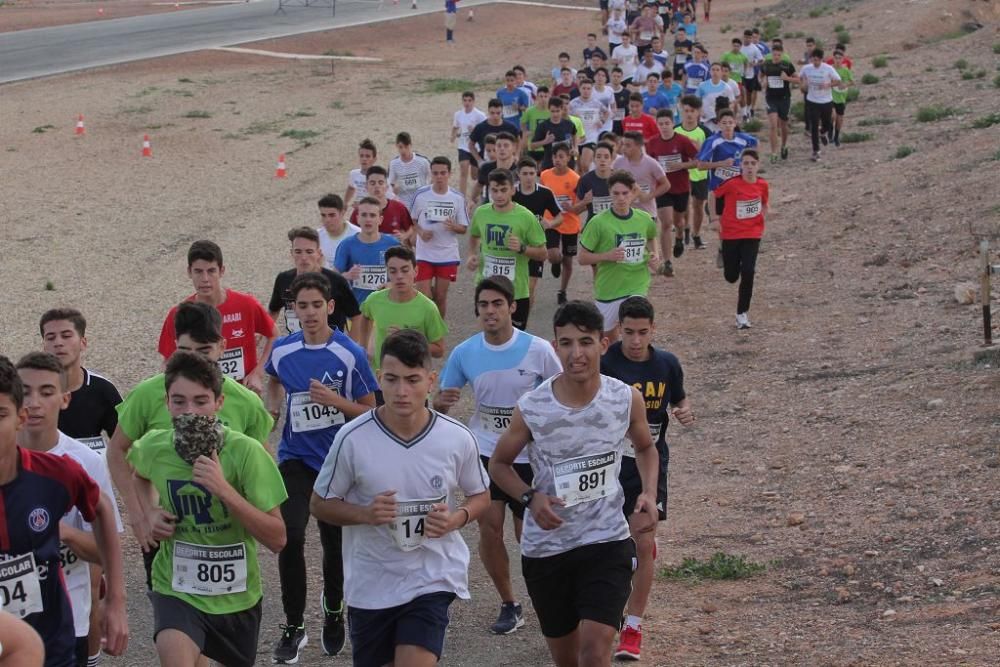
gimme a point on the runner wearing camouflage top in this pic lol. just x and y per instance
(577, 556)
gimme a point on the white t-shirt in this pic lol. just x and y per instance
(76, 571)
(557, 73)
(616, 28)
(607, 98)
(754, 57)
(530, 89)
(627, 58)
(817, 76)
(429, 211)
(466, 122)
(734, 88)
(358, 181)
(643, 71)
(589, 111)
(329, 244)
(387, 566)
(408, 177)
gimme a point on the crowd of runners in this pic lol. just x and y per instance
(621, 164)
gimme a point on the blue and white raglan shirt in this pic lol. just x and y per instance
(716, 149)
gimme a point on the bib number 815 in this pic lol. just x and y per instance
(216, 573)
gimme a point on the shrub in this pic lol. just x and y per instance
(903, 151)
(934, 113)
(869, 122)
(720, 566)
(856, 137)
(752, 125)
(880, 61)
(996, 48)
(843, 37)
(986, 121)
(196, 113)
(961, 63)
(798, 110)
(869, 79)
(853, 94)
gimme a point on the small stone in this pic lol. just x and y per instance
(888, 613)
(910, 513)
(843, 595)
(935, 403)
(937, 582)
(849, 570)
(704, 630)
(842, 470)
(921, 568)
(796, 519)
(871, 553)
(965, 293)
(709, 608)
(756, 538)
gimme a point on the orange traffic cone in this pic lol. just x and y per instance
(147, 148)
(281, 172)
(79, 125)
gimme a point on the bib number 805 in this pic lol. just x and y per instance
(216, 573)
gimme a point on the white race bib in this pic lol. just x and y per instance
(600, 204)
(439, 211)
(20, 590)
(200, 569)
(373, 277)
(72, 565)
(408, 528)
(585, 478)
(747, 209)
(654, 431)
(307, 416)
(509, 111)
(495, 420)
(589, 116)
(680, 58)
(411, 182)
(775, 82)
(231, 364)
(667, 160)
(96, 443)
(693, 82)
(619, 113)
(292, 322)
(499, 266)
(635, 250)
(725, 173)
(645, 35)
(748, 71)
(564, 201)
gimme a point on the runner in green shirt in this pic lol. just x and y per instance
(692, 128)
(212, 494)
(840, 94)
(621, 242)
(503, 236)
(736, 60)
(530, 119)
(400, 306)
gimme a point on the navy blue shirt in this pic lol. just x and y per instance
(31, 505)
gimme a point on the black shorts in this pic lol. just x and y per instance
(603, 4)
(82, 651)
(839, 108)
(523, 471)
(229, 639)
(751, 84)
(466, 156)
(678, 201)
(699, 189)
(568, 242)
(720, 205)
(375, 633)
(779, 106)
(632, 483)
(521, 312)
(536, 269)
(592, 583)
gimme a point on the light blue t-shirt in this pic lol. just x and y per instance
(673, 93)
(510, 99)
(371, 257)
(342, 366)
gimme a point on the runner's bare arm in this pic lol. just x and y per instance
(472, 263)
(121, 475)
(355, 324)
(682, 412)
(437, 348)
(441, 520)
(348, 196)
(116, 619)
(339, 512)
(81, 542)
(22, 647)
(255, 379)
(275, 397)
(324, 395)
(511, 442)
(647, 459)
(662, 185)
(446, 398)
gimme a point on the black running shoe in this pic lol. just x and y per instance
(556, 269)
(784, 152)
(293, 639)
(510, 619)
(698, 243)
(334, 634)
(687, 236)
(667, 269)
(678, 248)
(824, 139)
(560, 297)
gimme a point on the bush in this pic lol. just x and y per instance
(726, 28)
(968, 75)
(856, 137)
(853, 94)
(816, 12)
(903, 151)
(961, 63)
(798, 110)
(986, 121)
(843, 37)
(839, 28)
(996, 81)
(996, 48)
(880, 61)
(934, 113)
(197, 114)
(720, 566)
(869, 79)
(752, 125)
(869, 122)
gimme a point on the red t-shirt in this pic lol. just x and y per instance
(395, 217)
(677, 149)
(242, 318)
(644, 123)
(848, 63)
(560, 89)
(743, 213)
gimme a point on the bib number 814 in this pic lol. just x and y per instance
(216, 573)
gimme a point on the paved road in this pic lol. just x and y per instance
(29, 54)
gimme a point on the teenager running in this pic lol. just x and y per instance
(357, 179)
(500, 364)
(361, 258)
(692, 128)
(778, 74)
(395, 219)
(839, 93)
(463, 122)
(390, 480)
(506, 158)
(638, 120)
(322, 378)
(818, 80)
(493, 124)
(651, 181)
(593, 113)
(513, 99)
(561, 239)
(557, 129)
(542, 203)
(676, 154)
(408, 171)
(334, 228)
(709, 91)
(577, 553)
(720, 155)
(530, 119)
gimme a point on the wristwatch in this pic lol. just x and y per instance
(527, 496)
(522, 248)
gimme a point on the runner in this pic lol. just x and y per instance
(564, 60)
(520, 76)
(408, 171)
(562, 181)
(658, 376)
(626, 56)
(500, 364)
(542, 203)
(692, 129)
(395, 219)
(389, 480)
(660, 54)
(638, 121)
(506, 158)
(622, 97)
(450, 19)
(20, 645)
(243, 318)
(604, 94)
(361, 258)
(592, 188)
(617, 28)
(46, 395)
(36, 490)
(819, 79)
(720, 156)
(577, 555)
(741, 228)
(494, 123)
(652, 183)
(708, 92)
(676, 154)
(777, 74)
(502, 238)
(90, 415)
(514, 99)
(441, 214)
(644, 28)
(463, 123)
(335, 227)
(621, 242)
(566, 85)
(696, 70)
(751, 71)
(839, 93)
(682, 52)
(556, 129)
(323, 379)
(653, 98)
(530, 119)
(593, 113)
(737, 94)
(213, 494)
(648, 65)
(738, 61)
(307, 257)
(357, 179)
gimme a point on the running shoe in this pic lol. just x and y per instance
(678, 248)
(687, 236)
(699, 244)
(815, 157)
(293, 639)
(560, 297)
(556, 269)
(718, 260)
(824, 138)
(784, 152)
(510, 619)
(742, 321)
(774, 158)
(629, 644)
(836, 142)
(667, 269)
(334, 634)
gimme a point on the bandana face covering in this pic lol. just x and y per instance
(197, 435)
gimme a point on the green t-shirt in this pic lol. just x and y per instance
(419, 313)
(145, 410)
(204, 520)
(736, 61)
(492, 227)
(530, 119)
(578, 124)
(630, 276)
(840, 94)
(698, 136)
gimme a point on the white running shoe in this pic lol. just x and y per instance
(742, 320)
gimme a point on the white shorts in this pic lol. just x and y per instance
(609, 309)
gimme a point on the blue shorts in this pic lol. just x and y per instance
(466, 156)
(375, 633)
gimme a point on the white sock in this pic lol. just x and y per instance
(94, 660)
(633, 622)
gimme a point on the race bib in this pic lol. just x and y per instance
(231, 364)
(589, 116)
(667, 160)
(654, 431)
(645, 187)
(439, 211)
(635, 250)
(693, 82)
(775, 82)
(411, 182)
(509, 111)
(725, 173)
(680, 58)
(292, 322)
(619, 113)
(373, 277)
(96, 443)
(72, 566)
(747, 209)
(499, 266)
(495, 420)
(200, 569)
(408, 528)
(646, 35)
(748, 71)
(20, 590)
(564, 201)
(600, 204)
(585, 478)
(308, 416)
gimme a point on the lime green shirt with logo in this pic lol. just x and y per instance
(202, 519)
(840, 94)
(419, 313)
(145, 409)
(530, 120)
(736, 62)
(491, 228)
(607, 231)
(698, 136)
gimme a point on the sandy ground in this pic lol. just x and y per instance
(848, 441)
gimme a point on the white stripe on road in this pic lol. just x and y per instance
(294, 56)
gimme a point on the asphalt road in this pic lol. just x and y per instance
(29, 54)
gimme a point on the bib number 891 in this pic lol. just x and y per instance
(216, 573)
(592, 480)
